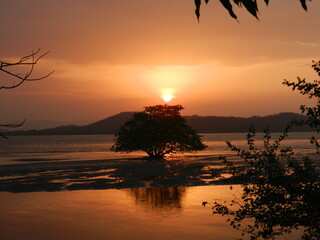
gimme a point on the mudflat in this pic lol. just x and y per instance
(33, 175)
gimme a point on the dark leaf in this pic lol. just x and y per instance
(197, 11)
(303, 4)
(251, 6)
(204, 203)
(227, 5)
(238, 2)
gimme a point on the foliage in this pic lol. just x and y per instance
(250, 5)
(280, 190)
(313, 91)
(158, 130)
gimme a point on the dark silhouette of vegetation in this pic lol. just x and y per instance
(11, 70)
(158, 130)
(281, 190)
(312, 90)
(10, 77)
(250, 5)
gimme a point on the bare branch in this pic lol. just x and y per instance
(1, 135)
(9, 69)
(10, 125)
(29, 61)
(13, 125)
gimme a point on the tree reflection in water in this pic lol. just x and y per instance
(169, 198)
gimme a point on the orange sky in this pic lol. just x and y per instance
(113, 56)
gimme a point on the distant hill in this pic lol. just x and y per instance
(202, 124)
(36, 124)
(109, 125)
(275, 123)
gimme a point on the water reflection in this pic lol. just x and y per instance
(114, 214)
(154, 198)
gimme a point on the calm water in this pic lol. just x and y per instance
(114, 214)
(140, 213)
(156, 213)
(95, 147)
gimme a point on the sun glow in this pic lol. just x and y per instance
(167, 95)
(168, 82)
(167, 98)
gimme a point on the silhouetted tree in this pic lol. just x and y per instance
(250, 5)
(12, 78)
(158, 130)
(281, 190)
(313, 91)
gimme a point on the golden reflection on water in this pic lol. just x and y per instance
(115, 214)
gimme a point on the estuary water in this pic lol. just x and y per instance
(140, 214)
(166, 207)
(19, 149)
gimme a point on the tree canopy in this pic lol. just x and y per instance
(158, 130)
(250, 5)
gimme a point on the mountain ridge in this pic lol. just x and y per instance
(202, 124)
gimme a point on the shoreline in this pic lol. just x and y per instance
(110, 174)
(132, 171)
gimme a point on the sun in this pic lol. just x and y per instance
(167, 97)
(167, 94)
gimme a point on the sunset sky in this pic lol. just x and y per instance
(115, 56)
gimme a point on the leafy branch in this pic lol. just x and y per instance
(250, 5)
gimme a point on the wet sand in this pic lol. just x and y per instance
(32, 175)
